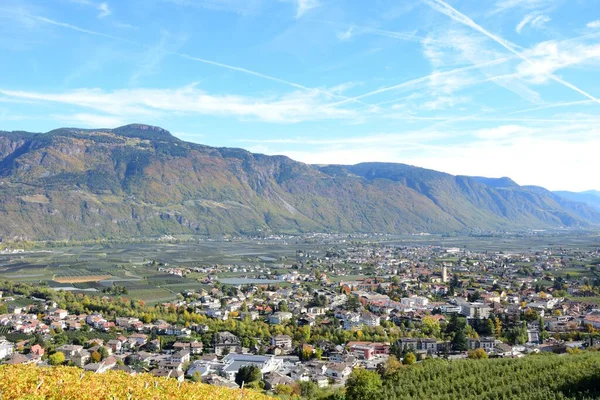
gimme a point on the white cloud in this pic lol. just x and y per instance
(546, 58)
(104, 10)
(535, 21)
(347, 34)
(446, 9)
(128, 104)
(594, 24)
(303, 6)
(525, 153)
(502, 132)
(90, 120)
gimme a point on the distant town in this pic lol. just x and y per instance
(315, 317)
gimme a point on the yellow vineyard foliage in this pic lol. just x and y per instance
(33, 383)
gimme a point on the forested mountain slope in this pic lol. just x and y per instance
(139, 180)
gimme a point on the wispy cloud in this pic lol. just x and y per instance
(103, 8)
(242, 7)
(133, 104)
(594, 24)
(303, 6)
(535, 21)
(507, 5)
(421, 80)
(545, 58)
(182, 55)
(347, 34)
(457, 16)
(362, 30)
(149, 63)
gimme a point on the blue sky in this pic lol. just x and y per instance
(493, 88)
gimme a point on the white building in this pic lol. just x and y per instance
(233, 362)
(6, 348)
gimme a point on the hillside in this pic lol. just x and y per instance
(139, 180)
(70, 383)
(591, 197)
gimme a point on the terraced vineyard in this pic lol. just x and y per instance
(70, 383)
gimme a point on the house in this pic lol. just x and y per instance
(363, 352)
(6, 348)
(203, 368)
(169, 373)
(338, 371)
(36, 351)
(181, 356)
(485, 343)
(369, 319)
(428, 345)
(273, 379)
(102, 366)
(280, 317)
(282, 341)
(225, 342)
(475, 310)
(592, 319)
(253, 315)
(233, 362)
(69, 350)
(194, 347)
(115, 345)
(81, 358)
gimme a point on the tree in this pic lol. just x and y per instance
(477, 354)
(96, 356)
(248, 374)
(103, 352)
(284, 390)
(497, 327)
(57, 358)
(389, 367)
(308, 389)
(409, 359)
(460, 341)
(283, 306)
(431, 326)
(363, 385)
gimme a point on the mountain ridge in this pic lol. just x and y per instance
(139, 180)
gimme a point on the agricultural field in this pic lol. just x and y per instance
(135, 266)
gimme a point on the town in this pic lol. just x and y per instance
(312, 320)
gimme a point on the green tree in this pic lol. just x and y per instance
(409, 359)
(248, 374)
(103, 352)
(363, 385)
(309, 390)
(460, 341)
(284, 390)
(57, 358)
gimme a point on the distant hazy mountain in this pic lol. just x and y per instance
(591, 197)
(141, 180)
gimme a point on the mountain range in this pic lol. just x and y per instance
(139, 180)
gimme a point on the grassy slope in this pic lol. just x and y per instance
(65, 383)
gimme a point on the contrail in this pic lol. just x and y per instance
(457, 16)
